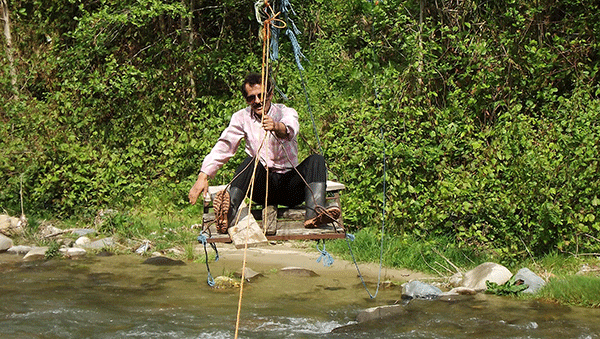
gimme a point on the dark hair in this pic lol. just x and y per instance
(255, 79)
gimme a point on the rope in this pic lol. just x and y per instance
(327, 258)
(202, 239)
(271, 17)
(348, 236)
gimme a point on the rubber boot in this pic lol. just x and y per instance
(236, 196)
(314, 196)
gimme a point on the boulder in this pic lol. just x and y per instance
(298, 271)
(5, 243)
(532, 280)
(12, 226)
(20, 249)
(100, 244)
(380, 312)
(419, 290)
(74, 252)
(489, 271)
(83, 241)
(249, 274)
(36, 253)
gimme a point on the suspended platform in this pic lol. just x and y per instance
(289, 224)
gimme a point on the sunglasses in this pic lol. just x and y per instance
(253, 97)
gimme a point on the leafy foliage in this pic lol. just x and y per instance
(486, 114)
(511, 287)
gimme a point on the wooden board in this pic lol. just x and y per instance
(289, 224)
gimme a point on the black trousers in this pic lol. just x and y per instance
(287, 189)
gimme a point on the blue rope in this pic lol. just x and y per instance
(327, 258)
(350, 237)
(202, 239)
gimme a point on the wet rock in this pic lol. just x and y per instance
(20, 249)
(419, 290)
(163, 261)
(488, 271)
(530, 279)
(36, 253)
(461, 291)
(380, 312)
(5, 243)
(249, 274)
(298, 271)
(222, 282)
(83, 241)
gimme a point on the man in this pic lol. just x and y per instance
(278, 155)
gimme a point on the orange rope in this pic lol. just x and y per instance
(270, 21)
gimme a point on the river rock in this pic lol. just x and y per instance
(100, 244)
(83, 241)
(12, 226)
(456, 279)
(75, 252)
(5, 243)
(20, 249)
(249, 274)
(49, 231)
(488, 271)
(36, 253)
(419, 290)
(380, 312)
(461, 291)
(162, 261)
(530, 279)
(298, 271)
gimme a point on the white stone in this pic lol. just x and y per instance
(82, 241)
(5, 243)
(489, 271)
(75, 252)
(20, 249)
(36, 253)
(380, 312)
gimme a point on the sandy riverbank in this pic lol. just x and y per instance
(305, 255)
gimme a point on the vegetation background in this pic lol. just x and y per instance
(487, 113)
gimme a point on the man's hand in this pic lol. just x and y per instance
(278, 127)
(201, 186)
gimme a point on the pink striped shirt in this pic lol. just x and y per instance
(273, 154)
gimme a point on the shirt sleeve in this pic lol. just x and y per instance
(289, 117)
(225, 147)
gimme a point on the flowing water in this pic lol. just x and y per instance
(118, 297)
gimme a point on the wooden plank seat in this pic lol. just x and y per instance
(290, 221)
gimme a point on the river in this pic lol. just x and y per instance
(119, 297)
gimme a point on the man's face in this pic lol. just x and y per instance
(253, 98)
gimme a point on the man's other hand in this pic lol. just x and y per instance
(201, 186)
